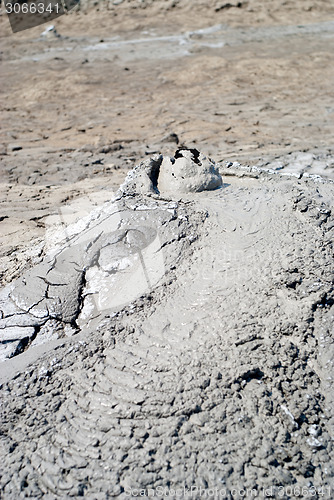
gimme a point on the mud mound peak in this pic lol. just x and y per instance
(188, 171)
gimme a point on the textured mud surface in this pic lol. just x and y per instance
(101, 265)
(105, 259)
(181, 388)
(172, 340)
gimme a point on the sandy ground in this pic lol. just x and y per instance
(218, 372)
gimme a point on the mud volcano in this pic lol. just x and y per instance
(188, 171)
(178, 336)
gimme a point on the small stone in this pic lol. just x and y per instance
(50, 32)
(14, 147)
(313, 442)
(314, 430)
(171, 138)
(199, 419)
(109, 148)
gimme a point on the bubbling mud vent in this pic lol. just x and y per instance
(193, 313)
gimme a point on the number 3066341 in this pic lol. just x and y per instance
(32, 8)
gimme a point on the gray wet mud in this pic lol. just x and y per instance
(152, 45)
(106, 260)
(218, 376)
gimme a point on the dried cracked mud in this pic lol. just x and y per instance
(164, 342)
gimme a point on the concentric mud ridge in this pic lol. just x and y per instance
(219, 377)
